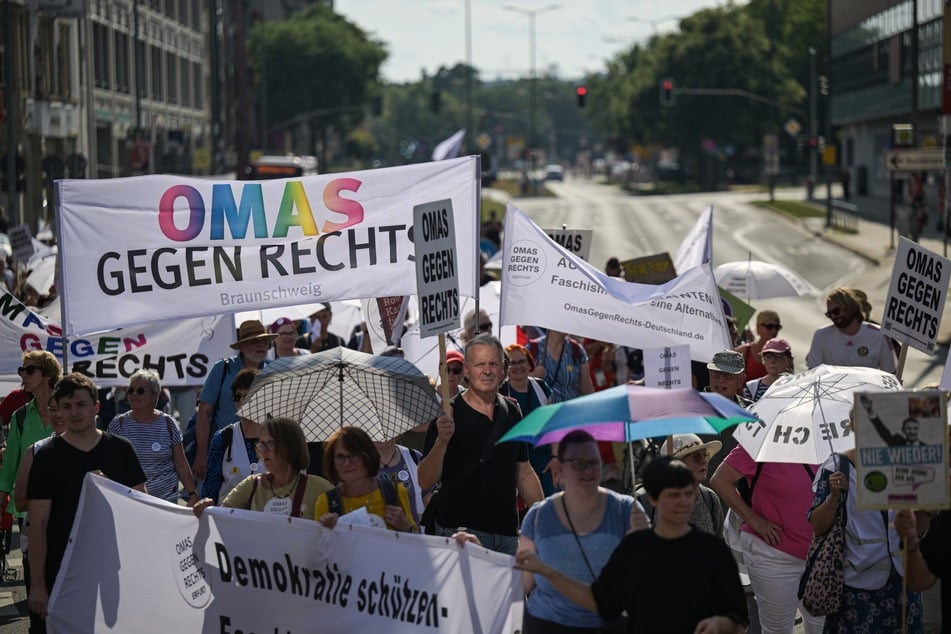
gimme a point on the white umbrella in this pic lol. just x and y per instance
(384, 396)
(804, 417)
(754, 279)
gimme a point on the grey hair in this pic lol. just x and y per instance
(150, 377)
(485, 339)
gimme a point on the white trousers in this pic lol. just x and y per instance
(774, 576)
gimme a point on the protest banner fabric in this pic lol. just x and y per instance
(545, 285)
(135, 561)
(181, 353)
(697, 246)
(902, 450)
(916, 296)
(148, 248)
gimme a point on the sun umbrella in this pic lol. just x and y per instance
(754, 279)
(805, 417)
(385, 396)
(630, 412)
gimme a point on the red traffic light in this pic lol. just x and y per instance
(668, 84)
(581, 91)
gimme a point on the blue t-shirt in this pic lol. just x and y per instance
(556, 546)
(215, 390)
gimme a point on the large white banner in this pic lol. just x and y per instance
(181, 353)
(149, 248)
(545, 285)
(138, 564)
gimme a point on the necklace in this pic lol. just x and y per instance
(274, 489)
(389, 461)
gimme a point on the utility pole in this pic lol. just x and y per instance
(243, 122)
(813, 124)
(9, 97)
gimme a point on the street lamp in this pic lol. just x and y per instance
(533, 80)
(653, 23)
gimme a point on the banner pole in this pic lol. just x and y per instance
(901, 361)
(443, 375)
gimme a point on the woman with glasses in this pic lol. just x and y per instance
(232, 454)
(767, 327)
(352, 463)
(574, 532)
(778, 360)
(156, 438)
(285, 489)
(530, 394)
(284, 345)
(31, 422)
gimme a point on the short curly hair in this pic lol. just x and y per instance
(47, 363)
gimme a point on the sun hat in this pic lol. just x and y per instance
(281, 321)
(777, 345)
(729, 361)
(686, 444)
(251, 330)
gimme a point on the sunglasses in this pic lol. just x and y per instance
(456, 369)
(835, 312)
(29, 370)
(137, 390)
(776, 327)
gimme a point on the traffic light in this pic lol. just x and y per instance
(667, 94)
(435, 101)
(581, 92)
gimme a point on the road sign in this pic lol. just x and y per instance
(915, 160)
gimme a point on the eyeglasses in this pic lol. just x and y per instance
(138, 390)
(518, 362)
(237, 396)
(29, 370)
(776, 327)
(292, 333)
(486, 327)
(833, 312)
(455, 369)
(346, 458)
(580, 464)
(265, 445)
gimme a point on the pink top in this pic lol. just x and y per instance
(782, 495)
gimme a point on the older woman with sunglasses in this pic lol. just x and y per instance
(31, 422)
(286, 489)
(352, 462)
(156, 438)
(767, 327)
(574, 532)
(530, 394)
(778, 359)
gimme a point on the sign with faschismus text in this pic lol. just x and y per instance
(437, 273)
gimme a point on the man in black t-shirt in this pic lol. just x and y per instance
(56, 480)
(479, 478)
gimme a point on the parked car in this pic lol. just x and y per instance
(554, 173)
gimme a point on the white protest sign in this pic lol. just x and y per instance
(437, 270)
(241, 571)
(901, 442)
(577, 241)
(181, 353)
(916, 296)
(697, 246)
(667, 367)
(547, 286)
(136, 250)
(21, 242)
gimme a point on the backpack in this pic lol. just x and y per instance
(189, 441)
(387, 488)
(20, 416)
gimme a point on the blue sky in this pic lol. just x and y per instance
(575, 38)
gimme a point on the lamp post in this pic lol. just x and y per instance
(533, 80)
(653, 23)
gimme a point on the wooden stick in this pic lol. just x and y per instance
(901, 361)
(443, 374)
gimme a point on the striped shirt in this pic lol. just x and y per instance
(153, 443)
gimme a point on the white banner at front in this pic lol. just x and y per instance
(137, 564)
(152, 248)
(181, 353)
(545, 285)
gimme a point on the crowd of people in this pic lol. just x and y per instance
(705, 540)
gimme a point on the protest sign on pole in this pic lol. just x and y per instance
(163, 247)
(916, 296)
(577, 241)
(901, 442)
(182, 352)
(547, 286)
(697, 246)
(649, 269)
(245, 571)
(667, 367)
(21, 241)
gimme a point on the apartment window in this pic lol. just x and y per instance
(122, 62)
(140, 68)
(186, 82)
(156, 72)
(183, 12)
(171, 77)
(170, 9)
(197, 91)
(101, 41)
